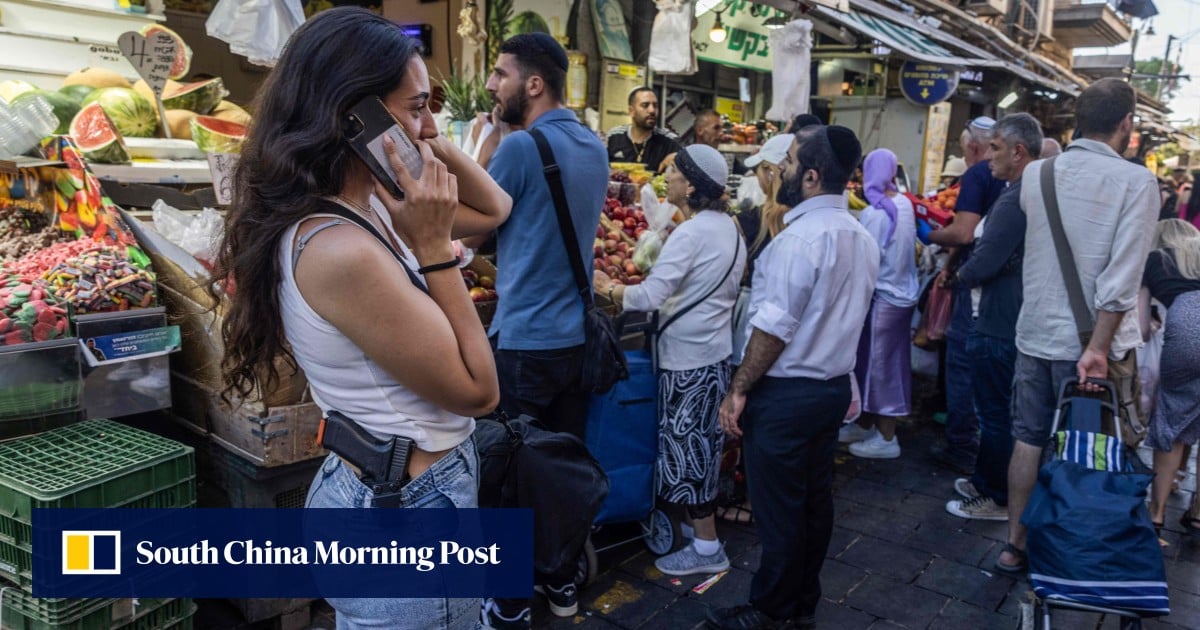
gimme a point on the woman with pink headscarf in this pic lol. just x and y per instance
(884, 371)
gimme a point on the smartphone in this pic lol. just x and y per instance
(364, 128)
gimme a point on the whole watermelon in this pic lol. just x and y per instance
(64, 107)
(134, 116)
(76, 92)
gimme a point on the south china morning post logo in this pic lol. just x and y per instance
(333, 553)
(91, 552)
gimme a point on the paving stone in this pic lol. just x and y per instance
(886, 558)
(872, 494)
(732, 590)
(884, 624)
(930, 511)
(641, 568)
(879, 523)
(585, 619)
(955, 545)
(1018, 593)
(959, 615)
(749, 560)
(905, 604)
(840, 540)
(831, 615)
(996, 530)
(838, 578)
(1185, 608)
(967, 583)
(1184, 576)
(685, 613)
(622, 600)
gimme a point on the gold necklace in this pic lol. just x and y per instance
(365, 212)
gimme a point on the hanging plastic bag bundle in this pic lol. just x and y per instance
(671, 49)
(255, 29)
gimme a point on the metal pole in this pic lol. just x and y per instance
(1164, 63)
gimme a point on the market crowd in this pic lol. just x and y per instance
(776, 323)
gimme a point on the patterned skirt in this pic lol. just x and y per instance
(1177, 413)
(689, 433)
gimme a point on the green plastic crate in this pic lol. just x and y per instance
(47, 612)
(93, 464)
(19, 613)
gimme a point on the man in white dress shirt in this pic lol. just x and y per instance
(812, 289)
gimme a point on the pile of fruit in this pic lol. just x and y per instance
(100, 108)
(616, 239)
(629, 173)
(481, 288)
(947, 198)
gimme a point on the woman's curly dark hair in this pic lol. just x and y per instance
(293, 156)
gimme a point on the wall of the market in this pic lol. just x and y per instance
(442, 15)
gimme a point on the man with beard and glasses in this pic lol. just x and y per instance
(642, 141)
(1108, 208)
(538, 329)
(812, 288)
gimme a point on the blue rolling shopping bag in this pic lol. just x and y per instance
(622, 434)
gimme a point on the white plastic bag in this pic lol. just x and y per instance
(659, 214)
(1148, 358)
(750, 194)
(202, 237)
(169, 221)
(255, 29)
(855, 409)
(791, 48)
(671, 50)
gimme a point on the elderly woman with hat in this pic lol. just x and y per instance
(693, 285)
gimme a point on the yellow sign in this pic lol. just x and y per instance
(731, 109)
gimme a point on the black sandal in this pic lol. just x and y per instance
(734, 514)
(1189, 524)
(1013, 570)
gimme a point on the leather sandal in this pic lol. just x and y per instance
(1190, 524)
(1013, 570)
(736, 514)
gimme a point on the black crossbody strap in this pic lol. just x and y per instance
(684, 311)
(1066, 258)
(357, 219)
(565, 225)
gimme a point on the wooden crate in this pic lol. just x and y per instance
(267, 436)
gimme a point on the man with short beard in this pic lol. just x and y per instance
(812, 288)
(538, 329)
(1108, 208)
(642, 141)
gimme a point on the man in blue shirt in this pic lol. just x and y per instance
(979, 191)
(538, 329)
(995, 266)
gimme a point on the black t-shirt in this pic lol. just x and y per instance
(651, 153)
(751, 223)
(1163, 279)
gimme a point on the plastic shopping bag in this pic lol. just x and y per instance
(936, 317)
(671, 50)
(255, 29)
(855, 409)
(1148, 357)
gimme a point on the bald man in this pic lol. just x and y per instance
(1050, 148)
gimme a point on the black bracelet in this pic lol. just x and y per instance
(449, 264)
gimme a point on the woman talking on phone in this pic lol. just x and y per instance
(379, 319)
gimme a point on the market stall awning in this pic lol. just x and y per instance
(905, 41)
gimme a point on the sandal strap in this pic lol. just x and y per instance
(1016, 553)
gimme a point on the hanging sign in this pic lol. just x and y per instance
(153, 58)
(745, 42)
(926, 83)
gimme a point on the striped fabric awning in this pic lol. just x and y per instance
(905, 41)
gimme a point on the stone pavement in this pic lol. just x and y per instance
(897, 560)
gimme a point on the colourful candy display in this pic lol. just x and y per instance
(28, 312)
(100, 281)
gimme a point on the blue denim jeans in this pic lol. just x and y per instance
(992, 364)
(962, 428)
(452, 482)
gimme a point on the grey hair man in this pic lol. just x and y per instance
(1050, 148)
(994, 270)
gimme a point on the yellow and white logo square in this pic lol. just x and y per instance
(91, 552)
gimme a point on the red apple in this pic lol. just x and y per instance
(598, 264)
(487, 282)
(630, 268)
(599, 231)
(630, 232)
(618, 214)
(634, 280)
(470, 275)
(612, 271)
(610, 245)
(613, 235)
(492, 295)
(622, 248)
(639, 215)
(478, 294)
(631, 222)
(638, 232)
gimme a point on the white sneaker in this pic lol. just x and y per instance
(852, 432)
(965, 488)
(875, 447)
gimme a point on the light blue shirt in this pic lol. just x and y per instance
(812, 288)
(540, 307)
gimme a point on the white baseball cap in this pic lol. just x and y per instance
(773, 150)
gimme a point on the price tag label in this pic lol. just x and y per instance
(221, 165)
(152, 57)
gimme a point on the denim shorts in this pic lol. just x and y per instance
(1036, 384)
(452, 482)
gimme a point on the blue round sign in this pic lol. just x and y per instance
(926, 83)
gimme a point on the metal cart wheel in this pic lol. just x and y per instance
(589, 566)
(660, 531)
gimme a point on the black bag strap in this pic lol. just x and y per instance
(332, 207)
(565, 225)
(1066, 259)
(684, 311)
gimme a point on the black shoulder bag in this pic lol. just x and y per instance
(604, 361)
(1122, 373)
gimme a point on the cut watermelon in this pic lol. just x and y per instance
(214, 135)
(135, 116)
(183, 54)
(200, 97)
(97, 136)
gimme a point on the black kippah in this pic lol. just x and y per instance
(845, 145)
(552, 48)
(804, 120)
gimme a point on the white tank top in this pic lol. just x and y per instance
(344, 379)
